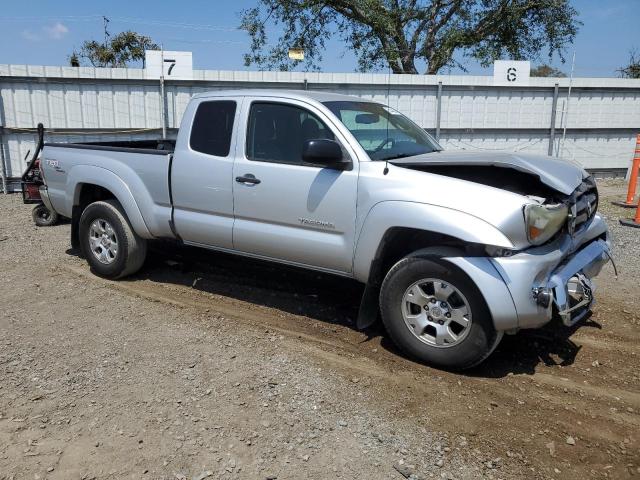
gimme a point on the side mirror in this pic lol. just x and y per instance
(326, 153)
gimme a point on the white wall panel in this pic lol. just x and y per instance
(121, 112)
(73, 106)
(94, 98)
(106, 113)
(593, 151)
(57, 109)
(90, 109)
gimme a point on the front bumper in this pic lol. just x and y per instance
(557, 274)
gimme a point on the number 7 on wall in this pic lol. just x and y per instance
(172, 62)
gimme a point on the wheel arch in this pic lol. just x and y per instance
(393, 229)
(94, 184)
(453, 236)
(483, 273)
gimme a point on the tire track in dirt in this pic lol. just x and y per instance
(473, 401)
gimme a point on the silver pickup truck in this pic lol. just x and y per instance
(455, 248)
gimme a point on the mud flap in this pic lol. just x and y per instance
(75, 228)
(369, 311)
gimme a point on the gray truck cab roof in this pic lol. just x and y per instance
(318, 96)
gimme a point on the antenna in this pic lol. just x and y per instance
(105, 21)
(386, 162)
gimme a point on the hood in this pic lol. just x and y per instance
(561, 175)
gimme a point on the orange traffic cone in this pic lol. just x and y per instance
(632, 222)
(633, 179)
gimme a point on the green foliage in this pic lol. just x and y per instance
(402, 34)
(545, 70)
(633, 69)
(121, 49)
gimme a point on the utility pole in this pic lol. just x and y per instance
(552, 127)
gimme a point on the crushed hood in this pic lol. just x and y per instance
(559, 174)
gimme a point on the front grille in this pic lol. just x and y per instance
(583, 205)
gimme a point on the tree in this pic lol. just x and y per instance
(545, 70)
(633, 69)
(403, 34)
(121, 49)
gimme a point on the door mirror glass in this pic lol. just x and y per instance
(325, 153)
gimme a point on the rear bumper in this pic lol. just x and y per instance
(556, 274)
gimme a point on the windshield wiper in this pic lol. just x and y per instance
(397, 156)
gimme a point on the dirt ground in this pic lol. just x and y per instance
(205, 365)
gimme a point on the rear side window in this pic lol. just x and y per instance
(212, 128)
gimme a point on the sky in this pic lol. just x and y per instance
(41, 32)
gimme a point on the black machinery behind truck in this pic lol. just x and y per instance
(31, 183)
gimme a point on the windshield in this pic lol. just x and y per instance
(384, 133)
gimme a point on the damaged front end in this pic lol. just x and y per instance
(570, 288)
(566, 245)
(555, 279)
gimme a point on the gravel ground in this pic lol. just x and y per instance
(209, 366)
(626, 240)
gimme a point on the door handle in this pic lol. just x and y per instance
(248, 178)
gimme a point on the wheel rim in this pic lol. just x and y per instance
(103, 241)
(436, 313)
(43, 214)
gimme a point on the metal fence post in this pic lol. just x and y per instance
(3, 160)
(438, 111)
(3, 163)
(552, 128)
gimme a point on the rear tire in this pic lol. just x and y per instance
(435, 313)
(43, 217)
(107, 241)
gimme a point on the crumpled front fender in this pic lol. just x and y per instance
(431, 218)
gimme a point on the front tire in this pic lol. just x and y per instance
(107, 241)
(435, 313)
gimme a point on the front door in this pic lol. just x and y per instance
(284, 209)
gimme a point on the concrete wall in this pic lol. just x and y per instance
(92, 104)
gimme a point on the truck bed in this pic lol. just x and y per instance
(137, 173)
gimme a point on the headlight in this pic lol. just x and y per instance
(543, 222)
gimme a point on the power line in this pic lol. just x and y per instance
(217, 42)
(57, 17)
(189, 26)
(132, 20)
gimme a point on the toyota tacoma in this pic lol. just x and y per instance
(455, 248)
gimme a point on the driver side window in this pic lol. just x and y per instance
(277, 132)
